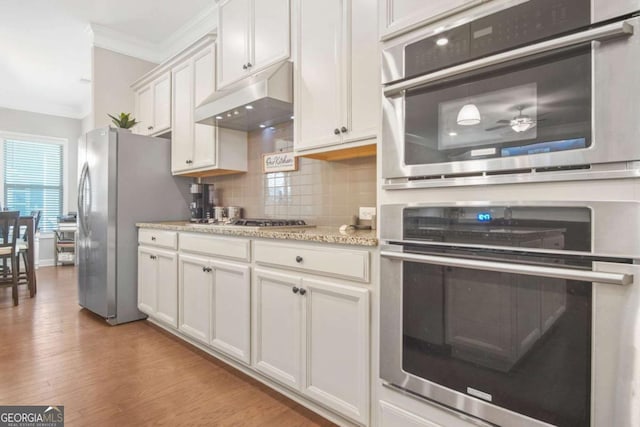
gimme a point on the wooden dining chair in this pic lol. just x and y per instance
(8, 255)
(22, 247)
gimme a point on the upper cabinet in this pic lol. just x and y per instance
(252, 34)
(337, 75)
(199, 149)
(166, 99)
(400, 16)
(153, 106)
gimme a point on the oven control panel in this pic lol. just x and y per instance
(520, 25)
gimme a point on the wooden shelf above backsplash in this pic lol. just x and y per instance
(343, 154)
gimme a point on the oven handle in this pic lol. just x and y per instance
(617, 29)
(503, 267)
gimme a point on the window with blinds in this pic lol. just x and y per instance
(33, 179)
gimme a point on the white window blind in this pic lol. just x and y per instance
(33, 179)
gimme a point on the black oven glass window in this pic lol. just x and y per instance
(519, 342)
(527, 107)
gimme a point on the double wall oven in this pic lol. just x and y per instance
(531, 87)
(518, 314)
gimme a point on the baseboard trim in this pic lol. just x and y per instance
(45, 263)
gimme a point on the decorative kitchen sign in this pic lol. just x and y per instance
(279, 162)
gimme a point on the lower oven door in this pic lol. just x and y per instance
(512, 343)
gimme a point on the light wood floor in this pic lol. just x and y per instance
(53, 352)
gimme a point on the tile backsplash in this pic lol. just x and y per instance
(320, 192)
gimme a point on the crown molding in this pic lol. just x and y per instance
(203, 23)
(125, 44)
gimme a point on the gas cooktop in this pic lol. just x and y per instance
(257, 223)
(268, 222)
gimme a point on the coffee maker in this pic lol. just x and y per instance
(203, 199)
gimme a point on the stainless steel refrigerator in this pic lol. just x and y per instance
(125, 179)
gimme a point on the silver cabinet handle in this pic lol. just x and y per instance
(616, 29)
(503, 267)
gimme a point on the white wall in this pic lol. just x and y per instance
(112, 75)
(45, 125)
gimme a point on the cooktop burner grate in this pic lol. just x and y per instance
(267, 222)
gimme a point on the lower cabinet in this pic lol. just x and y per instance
(313, 336)
(392, 416)
(158, 284)
(215, 304)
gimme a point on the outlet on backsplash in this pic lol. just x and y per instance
(320, 192)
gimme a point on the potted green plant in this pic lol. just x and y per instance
(124, 121)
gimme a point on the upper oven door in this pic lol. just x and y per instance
(567, 101)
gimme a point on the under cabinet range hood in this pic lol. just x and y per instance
(262, 100)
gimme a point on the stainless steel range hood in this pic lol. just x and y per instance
(260, 101)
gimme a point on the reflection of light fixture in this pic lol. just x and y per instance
(453, 134)
(522, 123)
(263, 126)
(236, 113)
(442, 41)
(469, 115)
(228, 114)
(218, 117)
(292, 117)
(249, 107)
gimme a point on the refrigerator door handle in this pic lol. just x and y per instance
(81, 198)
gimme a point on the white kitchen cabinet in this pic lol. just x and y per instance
(393, 416)
(158, 284)
(252, 34)
(336, 347)
(215, 303)
(199, 149)
(278, 327)
(313, 336)
(400, 16)
(153, 106)
(336, 79)
(231, 309)
(195, 297)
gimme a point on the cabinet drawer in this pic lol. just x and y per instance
(215, 246)
(343, 263)
(160, 238)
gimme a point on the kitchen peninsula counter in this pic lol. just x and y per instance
(321, 234)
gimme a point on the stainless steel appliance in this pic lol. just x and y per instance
(262, 100)
(203, 199)
(514, 313)
(529, 87)
(255, 224)
(125, 179)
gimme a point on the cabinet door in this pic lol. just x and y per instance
(270, 33)
(231, 310)
(336, 349)
(361, 115)
(145, 110)
(398, 16)
(204, 77)
(162, 103)
(277, 326)
(195, 297)
(182, 130)
(233, 40)
(319, 74)
(147, 278)
(167, 287)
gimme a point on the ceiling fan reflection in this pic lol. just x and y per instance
(519, 123)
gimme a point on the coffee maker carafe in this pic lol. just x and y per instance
(202, 202)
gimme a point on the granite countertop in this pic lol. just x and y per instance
(311, 234)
